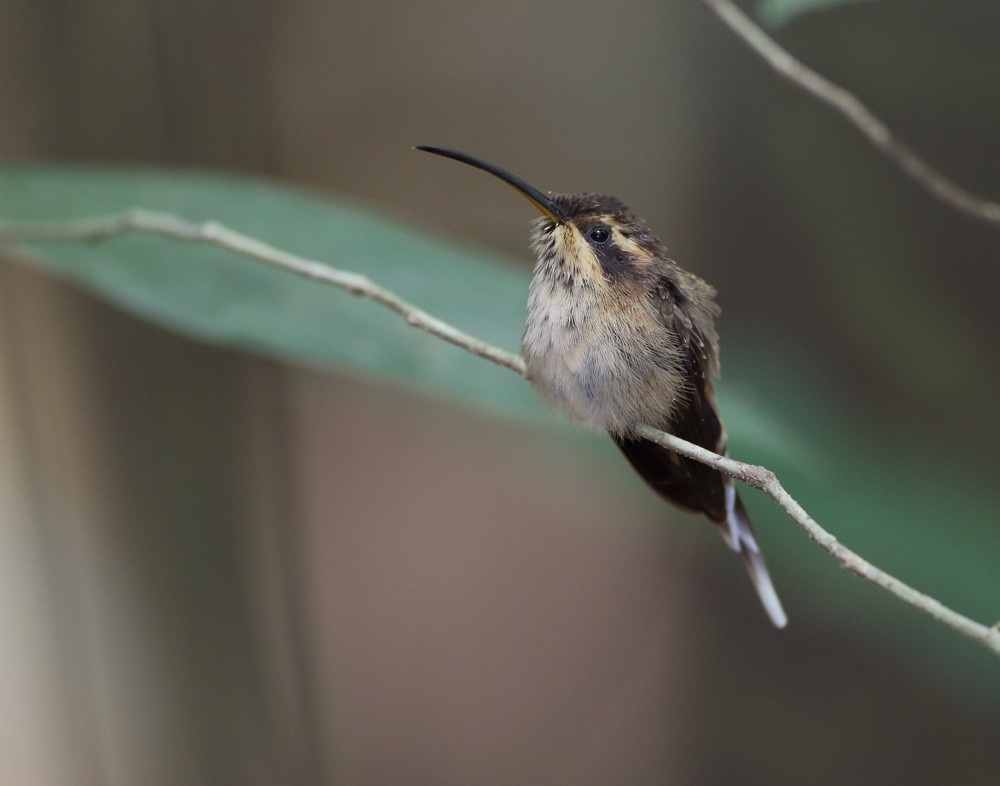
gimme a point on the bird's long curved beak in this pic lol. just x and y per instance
(544, 203)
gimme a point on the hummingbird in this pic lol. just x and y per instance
(618, 335)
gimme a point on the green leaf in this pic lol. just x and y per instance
(927, 518)
(868, 487)
(218, 296)
(775, 13)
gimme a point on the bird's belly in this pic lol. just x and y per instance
(608, 375)
(574, 371)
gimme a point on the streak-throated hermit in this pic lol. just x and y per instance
(619, 336)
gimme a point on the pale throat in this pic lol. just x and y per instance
(586, 355)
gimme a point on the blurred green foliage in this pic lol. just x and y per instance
(774, 13)
(914, 513)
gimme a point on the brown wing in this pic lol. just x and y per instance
(688, 483)
(680, 480)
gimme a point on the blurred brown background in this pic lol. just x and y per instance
(218, 569)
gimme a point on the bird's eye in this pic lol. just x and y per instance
(599, 235)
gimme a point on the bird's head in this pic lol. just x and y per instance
(588, 239)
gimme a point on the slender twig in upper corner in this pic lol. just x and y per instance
(847, 105)
(215, 234)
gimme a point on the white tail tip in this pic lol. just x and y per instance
(765, 589)
(739, 537)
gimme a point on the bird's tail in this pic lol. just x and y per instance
(739, 537)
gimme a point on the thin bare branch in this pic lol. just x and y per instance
(765, 480)
(856, 113)
(215, 234)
